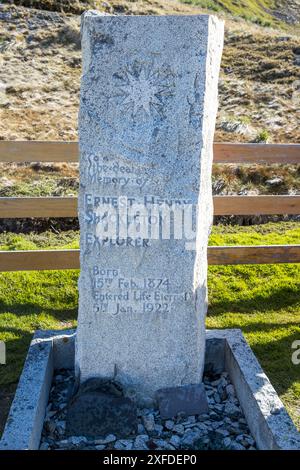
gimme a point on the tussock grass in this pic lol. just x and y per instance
(66, 6)
(259, 12)
(38, 179)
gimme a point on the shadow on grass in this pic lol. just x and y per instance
(6, 397)
(274, 353)
(275, 357)
(16, 351)
(19, 309)
(262, 327)
(277, 300)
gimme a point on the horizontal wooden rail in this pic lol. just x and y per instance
(268, 254)
(256, 205)
(18, 207)
(39, 260)
(57, 151)
(14, 207)
(217, 255)
(256, 153)
(37, 151)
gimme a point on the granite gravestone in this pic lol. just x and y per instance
(146, 126)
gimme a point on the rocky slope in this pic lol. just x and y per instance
(264, 12)
(40, 73)
(40, 66)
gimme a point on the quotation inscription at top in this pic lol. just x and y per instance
(109, 172)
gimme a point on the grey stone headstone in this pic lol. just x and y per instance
(146, 126)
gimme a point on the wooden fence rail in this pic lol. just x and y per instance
(43, 207)
(223, 205)
(37, 151)
(217, 255)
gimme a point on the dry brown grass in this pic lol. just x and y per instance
(41, 64)
(41, 68)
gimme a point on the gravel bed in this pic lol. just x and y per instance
(224, 427)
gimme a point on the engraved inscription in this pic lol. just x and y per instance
(106, 172)
(114, 294)
(135, 222)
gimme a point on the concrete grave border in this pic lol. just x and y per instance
(226, 350)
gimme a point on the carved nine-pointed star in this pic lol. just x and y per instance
(141, 92)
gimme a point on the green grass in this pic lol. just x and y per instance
(264, 301)
(259, 12)
(263, 136)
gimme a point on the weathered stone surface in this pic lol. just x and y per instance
(146, 123)
(25, 421)
(189, 399)
(149, 422)
(99, 409)
(98, 414)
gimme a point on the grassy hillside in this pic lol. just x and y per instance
(39, 96)
(263, 12)
(67, 6)
(39, 93)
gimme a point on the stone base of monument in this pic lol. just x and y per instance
(226, 350)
